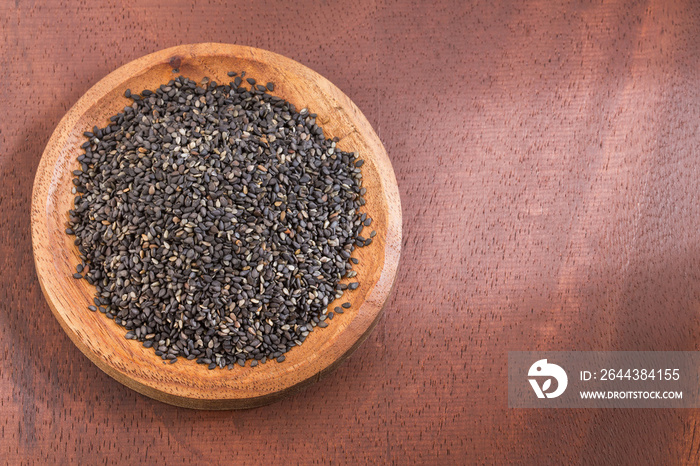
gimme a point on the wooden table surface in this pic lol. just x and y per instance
(547, 156)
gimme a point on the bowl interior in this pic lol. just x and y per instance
(103, 340)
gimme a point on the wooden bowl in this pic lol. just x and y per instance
(187, 383)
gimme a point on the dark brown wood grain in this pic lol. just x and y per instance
(547, 155)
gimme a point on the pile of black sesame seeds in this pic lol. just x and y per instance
(216, 221)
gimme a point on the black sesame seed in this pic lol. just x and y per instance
(220, 241)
